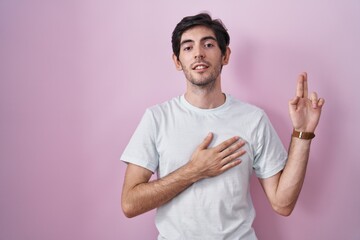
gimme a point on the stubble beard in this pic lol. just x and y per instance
(205, 81)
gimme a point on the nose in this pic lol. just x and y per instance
(199, 56)
(199, 53)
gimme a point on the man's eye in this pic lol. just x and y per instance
(187, 48)
(209, 45)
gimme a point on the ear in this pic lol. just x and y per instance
(226, 57)
(177, 63)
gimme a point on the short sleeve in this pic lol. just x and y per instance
(270, 154)
(141, 149)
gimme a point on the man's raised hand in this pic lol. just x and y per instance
(305, 110)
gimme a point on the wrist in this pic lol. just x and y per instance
(190, 173)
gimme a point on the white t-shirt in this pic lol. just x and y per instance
(213, 208)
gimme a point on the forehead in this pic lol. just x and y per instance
(197, 33)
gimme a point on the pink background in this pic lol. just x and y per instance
(76, 76)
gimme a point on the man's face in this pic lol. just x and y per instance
(200, 56)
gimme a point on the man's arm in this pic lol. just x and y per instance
(283, 189)
(139, 195)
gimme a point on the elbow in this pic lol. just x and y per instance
(128, 209)
(283, 210)
(128, 214)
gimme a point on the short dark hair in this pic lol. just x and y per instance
(202, 19)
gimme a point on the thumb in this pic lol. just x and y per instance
(293, 103)
(206, 141)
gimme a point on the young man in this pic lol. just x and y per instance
(202, 190)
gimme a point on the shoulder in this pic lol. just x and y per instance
(163, 109)
(165, 105)
(245, 108)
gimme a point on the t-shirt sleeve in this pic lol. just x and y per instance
(270, 154)
(141, 149)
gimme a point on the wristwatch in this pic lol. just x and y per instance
(303, 135)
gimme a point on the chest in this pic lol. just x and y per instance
(178, 138)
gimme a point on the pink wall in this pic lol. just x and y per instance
(76, 76)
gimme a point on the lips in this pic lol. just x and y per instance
(200, 66)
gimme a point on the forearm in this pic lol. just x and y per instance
(140, 195)
(293, 175)
(283, 189)
(146, 196)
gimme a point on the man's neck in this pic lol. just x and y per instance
(205, 99)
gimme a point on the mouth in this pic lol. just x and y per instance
(200, 66)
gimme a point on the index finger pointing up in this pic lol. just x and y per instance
(302, 86)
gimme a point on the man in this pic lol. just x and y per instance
(202, 190)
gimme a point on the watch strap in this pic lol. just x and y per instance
(303, 135)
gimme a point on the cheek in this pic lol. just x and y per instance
(184, 62)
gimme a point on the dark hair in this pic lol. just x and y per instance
(202, 19)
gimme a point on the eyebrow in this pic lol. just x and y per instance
(201, 40)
